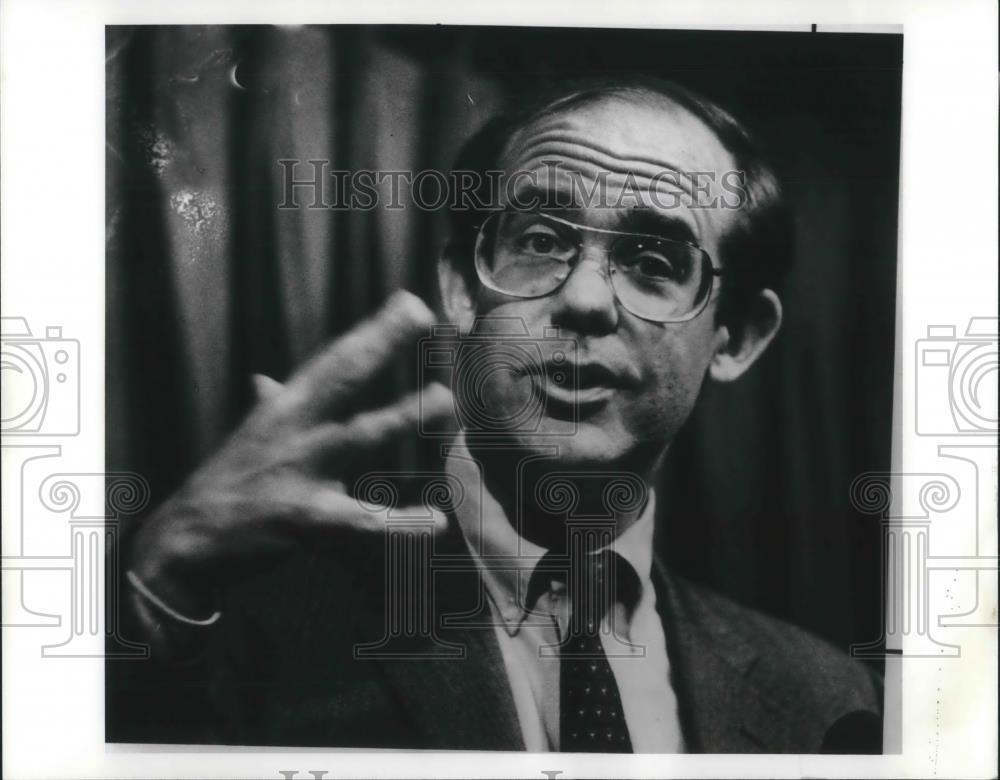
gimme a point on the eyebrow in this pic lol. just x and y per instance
(638, 219)
(656, 223)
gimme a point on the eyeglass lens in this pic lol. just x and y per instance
(529, 255)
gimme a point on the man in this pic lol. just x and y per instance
(541, 620)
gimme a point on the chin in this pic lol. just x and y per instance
(587, 447)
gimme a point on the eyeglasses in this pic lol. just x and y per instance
(527, 254)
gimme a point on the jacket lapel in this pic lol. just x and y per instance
(453, 684)
(722, 710)
(454, 690)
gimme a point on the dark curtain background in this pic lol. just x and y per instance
(207, 281)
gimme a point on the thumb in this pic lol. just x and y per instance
(265, 387)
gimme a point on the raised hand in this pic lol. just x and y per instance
(276, 483)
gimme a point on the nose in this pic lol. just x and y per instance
(586, 303)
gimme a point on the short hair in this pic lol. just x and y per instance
(757, 250)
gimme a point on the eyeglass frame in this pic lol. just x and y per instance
(694, 313)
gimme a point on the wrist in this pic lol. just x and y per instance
(176, 611)
(160, 562)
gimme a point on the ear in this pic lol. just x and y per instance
(739, 349)
(458, 298)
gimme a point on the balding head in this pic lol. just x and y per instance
(673, 130)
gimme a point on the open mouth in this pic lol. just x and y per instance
(568, 388)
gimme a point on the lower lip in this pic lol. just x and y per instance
(583, 399)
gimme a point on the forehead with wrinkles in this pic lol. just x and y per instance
(646, 128)
(636, 135)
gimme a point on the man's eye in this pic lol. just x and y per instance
(539, 243)
(650, 265)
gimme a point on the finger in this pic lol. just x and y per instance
(322, 508)
(265, 388)
(368, 431)
(328, 382)
(386, 518)
(308, 514)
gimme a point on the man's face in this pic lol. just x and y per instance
(637, 379)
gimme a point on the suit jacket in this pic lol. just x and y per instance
(308, 656)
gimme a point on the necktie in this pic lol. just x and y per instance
(591, 718)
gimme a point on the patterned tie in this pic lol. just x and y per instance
(591, 719)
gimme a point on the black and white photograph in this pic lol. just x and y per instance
(501, 388)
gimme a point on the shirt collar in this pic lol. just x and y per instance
(506, 559)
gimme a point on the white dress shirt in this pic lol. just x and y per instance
(633, 641)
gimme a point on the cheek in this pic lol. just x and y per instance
(673, 366)
(490, 305)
